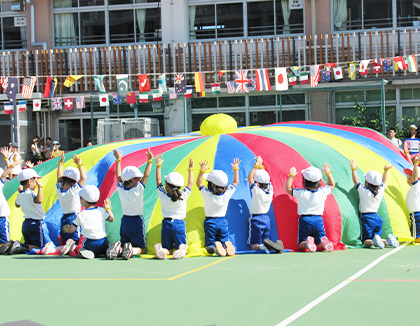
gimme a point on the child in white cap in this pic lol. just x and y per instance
(261, 198)
(216, 199)
(413, 198)
(370, 198)
(69, 184)
(173, 203)
(33, 213)
(92, 222)
(311, 202)
(130, 187)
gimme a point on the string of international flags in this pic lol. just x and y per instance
(261, 82)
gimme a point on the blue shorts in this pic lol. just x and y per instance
(215, 229)
(415, 218)
(97, 246)
(259, 229)
(370, 224)
(311, 225)
(68, 219)
(4, 229)
(32, 232)
(132, 230)
(173, 233)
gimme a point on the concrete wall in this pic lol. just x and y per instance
(322, 17)
(43, 23)
(175, 21)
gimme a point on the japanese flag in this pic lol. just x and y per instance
(338, 73)
(103, 100)
(282, 83)
(36, 105)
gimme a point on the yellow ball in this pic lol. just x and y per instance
(218, 124)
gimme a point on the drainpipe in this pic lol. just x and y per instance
(313, 17)
(32, 14)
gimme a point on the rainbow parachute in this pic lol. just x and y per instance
(281, 146)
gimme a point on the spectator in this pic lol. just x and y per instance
(37, 150)
(89, 143)
(391, 135)
(412, 132)
(55, 151)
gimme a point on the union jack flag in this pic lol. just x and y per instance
(253, 82)
(241, 81)
(57, 103)
(4, 83)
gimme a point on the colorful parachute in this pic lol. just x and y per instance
(281, 146)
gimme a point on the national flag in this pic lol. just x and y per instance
(295, 70)
(162, 84)
(188, 92)
(80, 102)
(202, 94)
(36, 105)
(8, 108)
(99, 81)
(116, 98)
(352, 70)
(338, 73)
(122, 84)
(314, 73)
(103, 100)
(281, 79)
(412, 63)
(363, 67)
(21, 106)
(180, 84)
(221, 72)
(253, 82)
(215, 88)
(198, 82)
(400, 63)
(4, 83)
(292, 79)
(377, 66)
(144, 85)
(387, 65)
(172, 94)
(326, 75)
(131, 98)
(28, 86)
(241, 81)
(144, 97)
(12, 89)
(263, 81)
(50, 87)
(328, 66)
(157, 96)
(231, 86)
(68, 103)
(57, 103)
(70, 80)
(303, 78)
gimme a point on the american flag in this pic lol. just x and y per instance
(28, 86)
(241, 81)
(172, 94)
(231, 87)
(314, 72)
(4, 83)
(57, 103)
(80, 102)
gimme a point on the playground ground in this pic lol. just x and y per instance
(350, 287)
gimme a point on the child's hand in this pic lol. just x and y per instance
(326, 169)
(39, 162)
(20, 188)
(29, 164)
(159, 160)
(235, 164)
(416, 158)
(191, 166)
(107, 204)
(258, 161)
(387, 167)
(292, 171)
(38, 183)
(76, 159)
(62, 157)
(353, 164)
(149, 155)
(117, 154)
(5, 152)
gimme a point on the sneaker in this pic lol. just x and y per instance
(66, 248)
(392, 241)
(16, 248)
(160, 253)
(113, 250)
(85, 253)
(310, 244)
(327, 244)
(210, 250)
(5, 247)
(48, 249)
(181, 252)
(230, 249)
(219, 249)
(128, 251)
(271, 245)
(377, 242)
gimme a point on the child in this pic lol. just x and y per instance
(92, 221)
(259, 222)
(370, 199)
(174, 210)
(216, 199)
(68, 187)
(130, 187)
(311, 200)
(11, 156)
(413, 198)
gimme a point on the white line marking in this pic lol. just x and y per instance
(321, 298)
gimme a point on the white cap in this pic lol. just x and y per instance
(130, 172)
(27, 174)
(217, 177)
(72, 173)
(90, 193)
(262, 176)
(374, 178)
(413, 127)
(175, 178)
(16, 170)
(312, 174)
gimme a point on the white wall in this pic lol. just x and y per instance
(175, 21)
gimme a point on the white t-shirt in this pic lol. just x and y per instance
(30, 209)
(69, 199)
(176, 210)
(261, 199)
(216, 205)
(4, 207)
(92, 220)
(311, 202)
(413, 198)
(368, 203)
(131, 198)
(397, 142)
(17, 168)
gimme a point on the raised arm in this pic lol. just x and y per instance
(385, 174)
(78, 161)
(118, 156)
(289, 181)
(6, 153)
(190, 174)
(159, 163)
(235, 167)
(330, 178)
(203, 168)
(60, 168)
(8, 171)
(257, 165)
(407, 153)
(353, 167)
(107, 206)
(148, 166)
(38, 198)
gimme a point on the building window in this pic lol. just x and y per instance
(13, 33)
